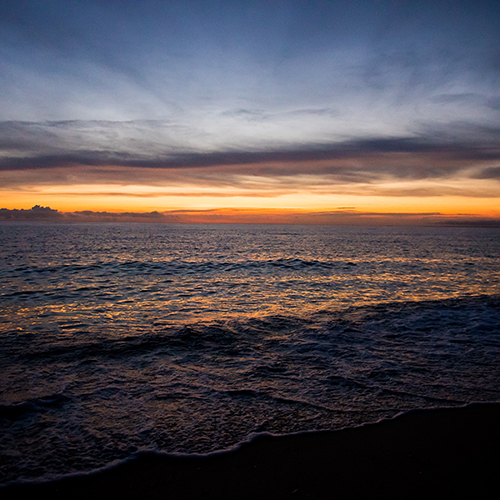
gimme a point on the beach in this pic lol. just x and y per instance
(438, 453)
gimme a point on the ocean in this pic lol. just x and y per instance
(117, 339)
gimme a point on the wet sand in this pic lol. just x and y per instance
(445, 453)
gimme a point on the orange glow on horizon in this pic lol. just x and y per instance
(258, 198)
(302, 202)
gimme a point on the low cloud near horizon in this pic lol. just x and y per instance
(340, 216)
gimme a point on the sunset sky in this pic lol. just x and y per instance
(252, 110)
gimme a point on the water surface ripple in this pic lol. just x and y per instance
(116, 338)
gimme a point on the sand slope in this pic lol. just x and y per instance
(445, 453)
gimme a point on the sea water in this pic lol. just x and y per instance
(122, 338)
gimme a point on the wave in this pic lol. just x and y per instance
(197, 388)
(19, 410)
(179, 267)
(391, 324)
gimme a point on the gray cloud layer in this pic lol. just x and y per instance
(57, 147)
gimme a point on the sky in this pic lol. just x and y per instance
(380, 111)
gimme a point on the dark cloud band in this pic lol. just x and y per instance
(352, 161)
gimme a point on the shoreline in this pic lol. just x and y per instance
(436, 453)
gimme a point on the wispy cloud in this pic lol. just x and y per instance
(133, 152)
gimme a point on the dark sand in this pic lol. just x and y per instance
(447, 453)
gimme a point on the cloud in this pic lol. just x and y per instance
(150, 145)
(140, 159)
(257, 115)
(343, 215)
(36, 213)
(47, 214)
(489, 173)
(458, 98)
(163, 59)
